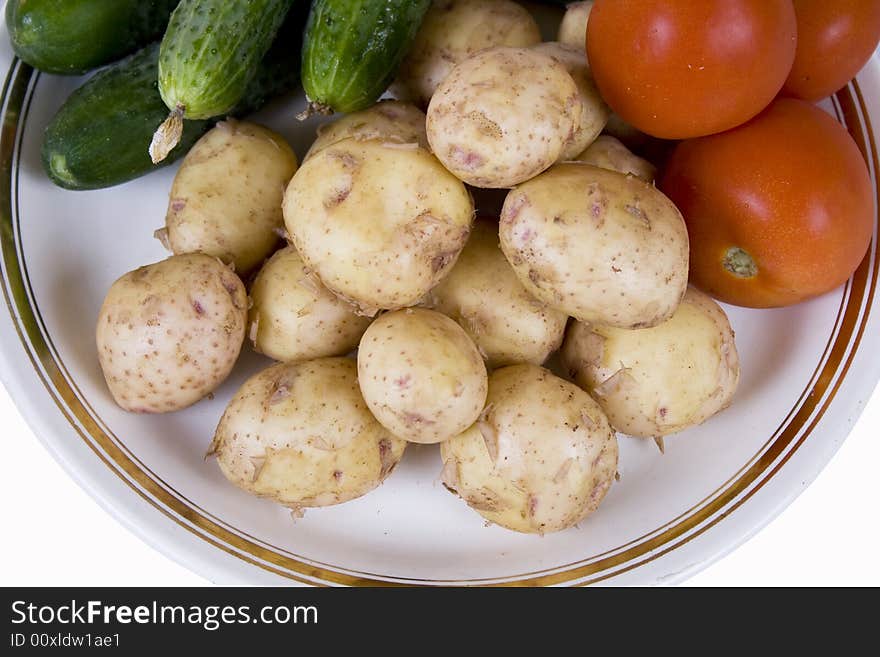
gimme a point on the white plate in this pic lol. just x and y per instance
(807, 372)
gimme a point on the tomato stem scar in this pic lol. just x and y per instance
(739, 263)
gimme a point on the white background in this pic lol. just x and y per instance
(55, 534)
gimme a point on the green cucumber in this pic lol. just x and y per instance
(209, 54)
(74, 36)
(98, 136)
(353, 48)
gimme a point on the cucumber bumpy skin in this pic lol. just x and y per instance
(352, 50)
(88, 144)
(71, 37)
(97, 138)
(209, 54)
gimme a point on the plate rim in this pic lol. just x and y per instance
(310, 574)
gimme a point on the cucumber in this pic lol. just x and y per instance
(97, 138)
(353, 48)
(209, 54)
(74, 36)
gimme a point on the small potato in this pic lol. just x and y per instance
(389, 120)
(503, 116)
(453, 30)
(595, 112)
(540, 459)
(600, 246)
(421, 375)
(293, 317)
(483, 294)
(301, 435)
(226, 196)
(573, 29)
(662, 380)
(607, 152)
(169, 333)
(381, 224)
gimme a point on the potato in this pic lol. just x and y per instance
(503, 116)
(608, 152)
(483, 294)
(453, 30)
(301, 435)
(389, 120)
(421, 375)
(657, 381)
(169, 333)
(293, 317)
(540, 459)
(226, 196)
(594, 113)
(381, 224)
(600, 246)
(573, 29)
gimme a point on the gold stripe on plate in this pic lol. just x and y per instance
(62, 389)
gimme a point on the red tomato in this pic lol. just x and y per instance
(778, 210)
(835, 40)
(687, 68)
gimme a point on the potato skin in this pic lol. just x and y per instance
(421, 375)
(226, 196)
(573, 29)
(453, 30)
(600, 246)
(301, 435)
(388, 120)
(541, 458)
(169, 333)
(594, 113)
(483, 294)
(503, 116)
(293, 317)
(608, 152)
(662, 380)
(380, 225)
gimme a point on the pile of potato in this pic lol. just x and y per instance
(452, 317)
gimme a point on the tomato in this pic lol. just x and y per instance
(778, 210)
(690, 68)
(835, 39)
